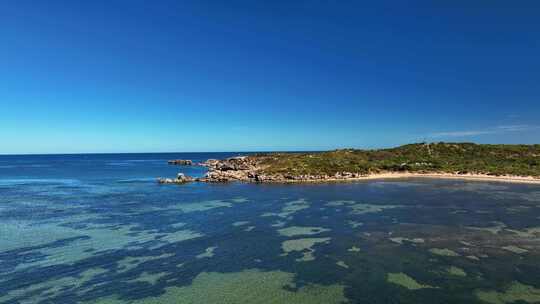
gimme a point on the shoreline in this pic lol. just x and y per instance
(406, 175)
(444, 161)
(181, 179)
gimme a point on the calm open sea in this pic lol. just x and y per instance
(99, 229)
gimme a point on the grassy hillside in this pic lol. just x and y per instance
(521, 160)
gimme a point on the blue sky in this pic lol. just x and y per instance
(136, 76)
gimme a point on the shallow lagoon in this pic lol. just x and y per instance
(97, 229)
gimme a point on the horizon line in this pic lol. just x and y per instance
(167, 152)
(258, 151)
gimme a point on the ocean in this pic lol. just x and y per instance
(98, 228)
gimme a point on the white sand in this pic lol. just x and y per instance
(403, 175)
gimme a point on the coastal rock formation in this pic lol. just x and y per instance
(180, 162)
(240, 168)
(251, 169)
(517, 163)
(209, 163)
(181, 178)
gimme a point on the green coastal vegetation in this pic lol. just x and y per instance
(462, 158)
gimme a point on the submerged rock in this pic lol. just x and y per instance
(513, 293)
(406, 281)
(444, 252)
(305, 246)
(515, 249)
(456, 271)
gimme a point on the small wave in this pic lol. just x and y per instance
(137, 180)
(30, 181)
(24, 166)
(119, 164)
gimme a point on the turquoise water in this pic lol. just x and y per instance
(99, 229)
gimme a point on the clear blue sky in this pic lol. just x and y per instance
(135, 76)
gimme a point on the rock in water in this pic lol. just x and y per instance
(180, 162)
(181, 178)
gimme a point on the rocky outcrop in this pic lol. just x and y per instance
(249, 169)
(181, 178)
(180, 162)
(240, 168)
(209, 163)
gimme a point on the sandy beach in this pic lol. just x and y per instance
(404, 175)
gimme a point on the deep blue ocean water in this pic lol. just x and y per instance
(99, 229)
